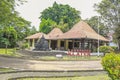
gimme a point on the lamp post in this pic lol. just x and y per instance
(98, 53)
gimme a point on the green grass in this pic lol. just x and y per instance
(69, 58)
(98, 77)
(10, 52)
(6, 69)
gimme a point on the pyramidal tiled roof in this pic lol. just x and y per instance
(81, 30)
(36, 36)
(78, 31)
(54, 34)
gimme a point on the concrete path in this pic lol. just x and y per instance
(48, 68)
(23, 64)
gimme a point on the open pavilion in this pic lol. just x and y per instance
(80, 36)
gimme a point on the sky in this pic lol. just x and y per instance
(32, 9)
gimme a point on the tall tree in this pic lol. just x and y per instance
(63, 26)
(7, 9)
(110, 11)
(96, 23)
(116, 35)
(60, 12)
(21, 26)
(9, 17)
(33, 30)
(47, 25)
(9, 36)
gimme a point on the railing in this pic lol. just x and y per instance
(78, 52)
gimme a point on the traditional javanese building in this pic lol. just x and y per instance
(81, 36)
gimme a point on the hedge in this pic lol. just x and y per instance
(111, 63)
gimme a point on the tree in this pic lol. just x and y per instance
(94, 21)
(47, 25)
(116, 35)
(11, 23)
(33, 30)
(63, 26)
(9, 37)
(7, 9)
(58, 13)
(110, 11)
(21, 26)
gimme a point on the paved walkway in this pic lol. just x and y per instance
(49, 68)
(49, 65)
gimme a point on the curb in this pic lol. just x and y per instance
(13, 75)
(51, 71)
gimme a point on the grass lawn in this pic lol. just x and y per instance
(6, 69)
(68, 58)
(98, 77)
(10, 52)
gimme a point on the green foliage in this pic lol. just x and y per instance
(12, 26)
(94, 21)
(117, 35)
(25, 45)
(10, 52)
(33, 30)
(9, 36)
(21, 26)
(111, 63)
(63, 26)
(60, 13)
(7, 10)
(114, 48)
(110, 12)
(47, 25)
(106, 49)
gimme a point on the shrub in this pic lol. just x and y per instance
(106, 49)
(24, 45)
(114, 48)
(111, 63)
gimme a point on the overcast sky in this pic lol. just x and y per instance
(31, 10)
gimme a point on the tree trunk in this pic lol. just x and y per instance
(14, 50)
(6, 49)
(118, 46)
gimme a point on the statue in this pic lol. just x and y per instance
(42, 44)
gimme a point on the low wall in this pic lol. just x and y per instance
(41, 53)
(14, 75)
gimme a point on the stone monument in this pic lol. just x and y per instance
(42, 44)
